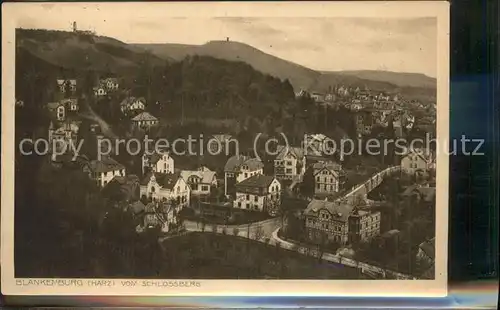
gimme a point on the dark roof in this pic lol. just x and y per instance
(105, 164)
(429, 248)
(165, 180)
(330, 165)
(234, 163)
(340, 211)
(410, 190)
(258, 180)
(285, 150)
(390, 233)
(155, 157)
(144, 116)
(427, 193)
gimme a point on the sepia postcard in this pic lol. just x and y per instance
(225, 149)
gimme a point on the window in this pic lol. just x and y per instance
(288, 163)
(246, 175)
(318, 186)
(239, 204)
(248, 197)
(256, 199)
(204, 188)
(318, 179)
(248, 206)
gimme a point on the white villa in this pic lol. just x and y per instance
(155, 162)
(201, 181)
(239, 168)
(258, 193)
(166, 187)
(327, 177)
(145, 120)
(64, 84)
(104, 170)
(416, 160)
(132, 105)
(290, 163)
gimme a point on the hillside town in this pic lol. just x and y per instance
(373, 213)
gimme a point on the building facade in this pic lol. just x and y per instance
(416, 160)
(166, 187)
(202, 182)
(155, 162)
(290, 163)
(333, 221)
(239, 168)
(328, 178)
(145, 120)
(104, 170)
(258, 193)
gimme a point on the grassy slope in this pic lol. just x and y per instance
(69, 50)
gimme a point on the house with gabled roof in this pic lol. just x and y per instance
(60, 109)
(220, 143)
(57, 109)
(133, 105)
(66, 85)
(290, 163)
(416, 160)
(144, 120)
(109, 83)
(239, 168)
(157, 162)
(123, 188)
(340, 222)
(100, 91)
(202, 182)
(328, 177)
(159, 214)
(422, 194)
(258, 193)
(166, 187)
(105, 169)
(426, 254)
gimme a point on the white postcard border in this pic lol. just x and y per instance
(392, 9)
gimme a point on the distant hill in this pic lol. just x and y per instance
(299, 76)
(81, 51)
(396, 78)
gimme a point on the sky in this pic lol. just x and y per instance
(320, 43)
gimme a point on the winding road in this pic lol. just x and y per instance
(267, 232)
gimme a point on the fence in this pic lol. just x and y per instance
(369, 184)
